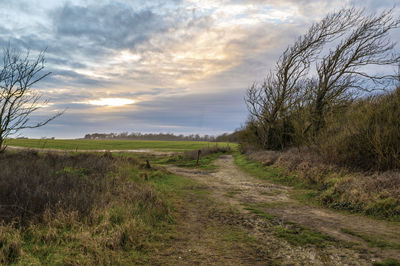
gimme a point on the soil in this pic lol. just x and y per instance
(205, 220)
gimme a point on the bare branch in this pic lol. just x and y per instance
(17, 98)
(341, 70)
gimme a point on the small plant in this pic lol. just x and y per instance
(388, 262)
(372, 241)
(299, 235)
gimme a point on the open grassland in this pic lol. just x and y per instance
(81, 144)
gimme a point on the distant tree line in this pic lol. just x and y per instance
(160, 136)
(228, 137)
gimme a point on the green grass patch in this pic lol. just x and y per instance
(205, 162)
(373, 241)
(293, 233)
(233, 193)
(232, 234)
(301, 236)
(384, 208)
(260, 213)
(271, 204)
(307, 196)
(270, 193)
(82, 144)
(388, 262)
(172, 185)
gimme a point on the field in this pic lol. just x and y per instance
(80, 144)
(79, 208)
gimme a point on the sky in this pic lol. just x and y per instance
(179, 66)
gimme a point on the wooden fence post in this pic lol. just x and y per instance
(198, 157)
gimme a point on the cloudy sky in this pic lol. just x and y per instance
(179, 66)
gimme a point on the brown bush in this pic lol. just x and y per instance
(206, 151)
(31, 183)
(367, 136)
(362, 135)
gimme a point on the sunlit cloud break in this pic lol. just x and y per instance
(111, 102)
(179, 66)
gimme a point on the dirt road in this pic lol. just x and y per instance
(266, 212)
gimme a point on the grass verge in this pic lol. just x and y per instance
(258, 170)
(373, 241)
(119, 218)
(328, 188)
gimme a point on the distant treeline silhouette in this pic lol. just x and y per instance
(160, 136)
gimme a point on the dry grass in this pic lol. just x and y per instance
(32, 183)
(373, 193)
(363, 134)
(78, 209)
(354, 161)
(192, 155)
(366, 136)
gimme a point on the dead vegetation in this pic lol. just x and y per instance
(372, 193)
(32, 184)
(335, 101)
(193, 154)
(82, 208)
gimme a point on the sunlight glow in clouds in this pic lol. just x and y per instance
(151, 66)
(111, 102)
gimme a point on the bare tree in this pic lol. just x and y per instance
(343, 71)
(18, 100)
(291, 103)
(271, 102)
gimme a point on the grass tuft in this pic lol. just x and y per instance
(372, 241)
(301, 236)
(388, 262)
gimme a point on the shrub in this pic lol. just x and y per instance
(367, 136)
(31, 183)
(192, 155)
